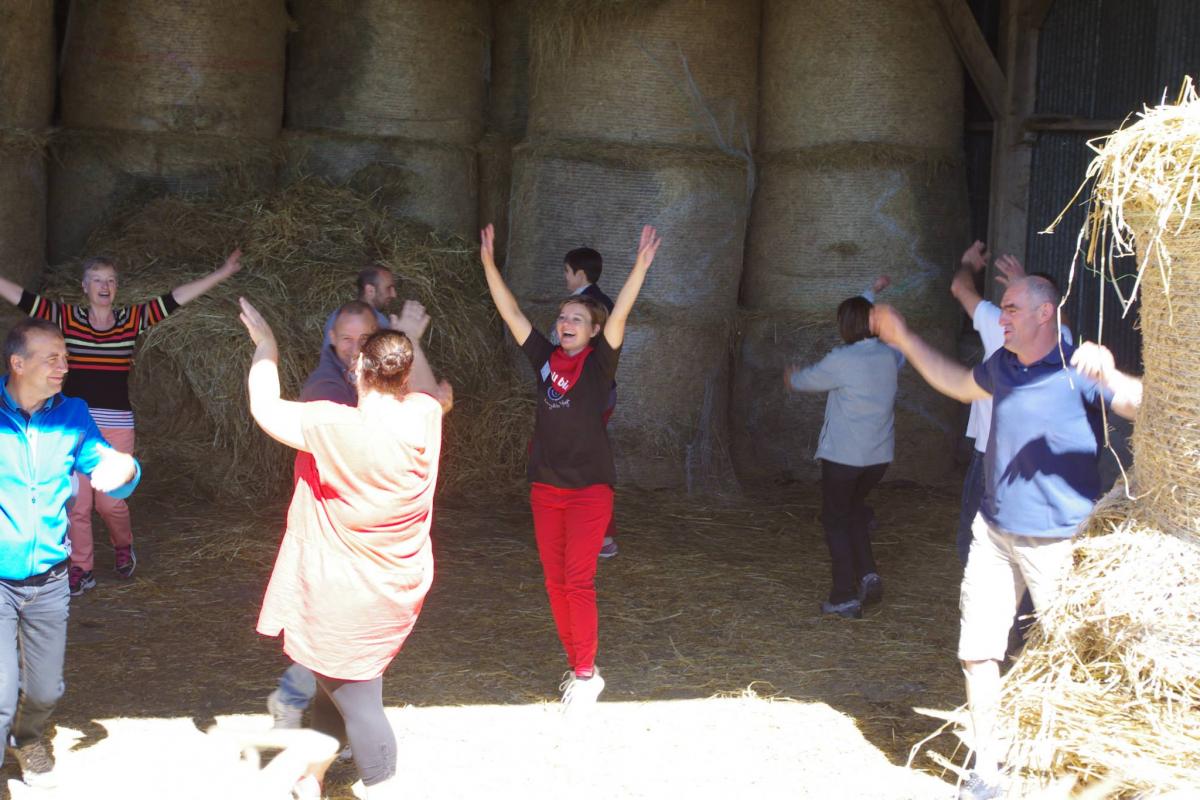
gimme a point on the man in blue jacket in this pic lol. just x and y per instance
(44, 437)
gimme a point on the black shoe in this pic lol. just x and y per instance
(79, 581)
(850, 609)
(870, 589)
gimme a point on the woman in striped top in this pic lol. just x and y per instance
(100, 342)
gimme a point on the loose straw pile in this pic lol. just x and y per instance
(303, 248)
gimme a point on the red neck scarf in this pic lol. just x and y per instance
(563, 370)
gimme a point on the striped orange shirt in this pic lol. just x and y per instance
(100, 360)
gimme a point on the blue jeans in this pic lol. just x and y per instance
(972, 496)
(33, 643)
(297, 685)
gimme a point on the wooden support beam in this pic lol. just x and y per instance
(1012, 142)
(1035, 13)
(973, 49)
(1049, 122)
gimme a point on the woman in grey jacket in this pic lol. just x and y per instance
(855, 449)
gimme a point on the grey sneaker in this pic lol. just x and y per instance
(850, 609)
(37, 764)
(285, 716)
(609, 548)
(976, 788)
(870, 589)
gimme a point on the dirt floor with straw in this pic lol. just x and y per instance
(703, 601)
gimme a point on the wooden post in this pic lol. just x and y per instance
(1013, 141)
(1008, 87)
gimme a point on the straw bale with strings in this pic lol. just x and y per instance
(22, 210)
(27, 56)
(303, 247)
(431, 182)
(1108, 690)
(408, 68)
(674, 72)
(174, 65)
(93, 174)
(858, 70)
(569, 194)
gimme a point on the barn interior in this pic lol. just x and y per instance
(788, 151)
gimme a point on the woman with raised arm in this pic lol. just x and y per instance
(100, 341)
(571, 470)
(355, 562)
(856, 445)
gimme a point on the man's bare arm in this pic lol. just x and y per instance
(939, 371)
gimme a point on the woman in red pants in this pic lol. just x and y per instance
(571, 471)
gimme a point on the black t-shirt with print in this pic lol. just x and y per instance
(570, 445)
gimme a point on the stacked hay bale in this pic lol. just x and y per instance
(303, 247)
(1108, 690)
(160, 98)
(860, 173)
(26, 104)
(507, 112)
(386, 96)
(641, 114)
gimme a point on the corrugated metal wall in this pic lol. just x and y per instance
(1097, 59)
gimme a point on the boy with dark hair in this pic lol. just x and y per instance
(581, 270)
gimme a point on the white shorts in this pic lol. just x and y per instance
(1001, 566)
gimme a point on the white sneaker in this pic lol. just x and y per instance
(307, 788)
(285, 716)
(582, 692)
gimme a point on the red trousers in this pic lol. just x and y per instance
(569, 526)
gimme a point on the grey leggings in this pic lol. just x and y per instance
(353, 711)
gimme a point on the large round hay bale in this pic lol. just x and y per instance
(430, 182)
(508, 70)
(495, 184)
(1166, 438)
(409, 68)
(774, 433)
(677, 72)
(669, 429)
(175, 65)
(94, 174)
(22, 216)
(27, 56)
(858, 71)
(830, 221)
(567, 197)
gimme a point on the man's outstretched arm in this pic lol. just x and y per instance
(942, 373)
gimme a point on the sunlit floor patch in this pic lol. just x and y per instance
(719, 747)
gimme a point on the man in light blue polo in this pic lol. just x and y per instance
(44, 437)
(1041, 479)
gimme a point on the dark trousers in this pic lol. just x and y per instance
(33, 643)
(353, 711)
(972, 496)
(845, 516)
